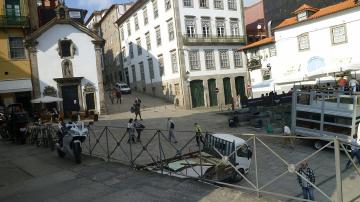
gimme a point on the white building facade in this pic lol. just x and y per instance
(308, 48)
(318, 42)
(185, 51)
(66, 62)
(261, 58)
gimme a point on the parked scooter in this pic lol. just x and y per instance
(71, 136)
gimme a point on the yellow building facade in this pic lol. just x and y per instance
(15, 68)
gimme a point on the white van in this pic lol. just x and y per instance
(123, 88)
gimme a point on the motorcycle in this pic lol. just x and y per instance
(71, 136)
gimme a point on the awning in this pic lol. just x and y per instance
(13, 86)
(47, 99)
(264, 84)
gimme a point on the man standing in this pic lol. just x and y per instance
(305, 172)
(198, 134)
(131, 131)
(353, 83)
(139, 127)
(118, 96)
(137, 105)
(354, 150)
(171, 128)
(287, 134)
(342, 83)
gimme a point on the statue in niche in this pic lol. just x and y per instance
(67, 69)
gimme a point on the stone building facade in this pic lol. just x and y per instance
(185, 51)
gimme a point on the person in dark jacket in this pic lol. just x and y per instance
(305, 172)
(139, 127)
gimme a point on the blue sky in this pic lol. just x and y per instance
(91, 5)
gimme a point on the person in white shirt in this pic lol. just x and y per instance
(353, 84)
(287, 132)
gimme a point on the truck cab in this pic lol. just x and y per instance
(226, 143)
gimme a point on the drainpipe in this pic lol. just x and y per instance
(269, 28)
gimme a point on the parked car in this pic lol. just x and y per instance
(123, 88)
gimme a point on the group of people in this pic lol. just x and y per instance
(136, 125)
(344, 84)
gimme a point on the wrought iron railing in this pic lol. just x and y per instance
(275, 160)
(199, 39)
(14, 21)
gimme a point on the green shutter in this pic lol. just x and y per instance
(212, 92)
(197, 93)
(227, 91)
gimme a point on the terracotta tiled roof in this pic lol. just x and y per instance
(347, 4)
(305, 7)
(259, 43)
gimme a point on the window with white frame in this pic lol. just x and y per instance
(161, 65)
(187, 3)
(158, 36)
(190, 26)
(209, 59)
(136, 21)
(146, 19)
(204, 3)
(206, 25)
(303, 41)
(224, 59)
(17, 48)
(142, 71)
(139, 48)
(237, 59)
(219, 4)
(167, 4)
(194, 60)
(133, 73)
(122, 34)
(131, 51)
(155, 9)
(148, 41)
(174, 61)
(234, 26)
(220, 27)
(171, 30)
(338, 34)
(231, 4)
(128, 28)
(272, 51)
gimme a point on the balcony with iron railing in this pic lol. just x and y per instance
(14, 21)
(199, 39)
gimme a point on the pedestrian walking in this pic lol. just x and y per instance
(118, 96)
(137, 110)
(305, 172)
(354, 151)
(131, 131)
(171, 128)
(139, 127)
(198, 134)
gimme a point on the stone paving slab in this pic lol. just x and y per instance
(49, 178)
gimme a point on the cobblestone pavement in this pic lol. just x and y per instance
(155, 113)
(28, 173)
